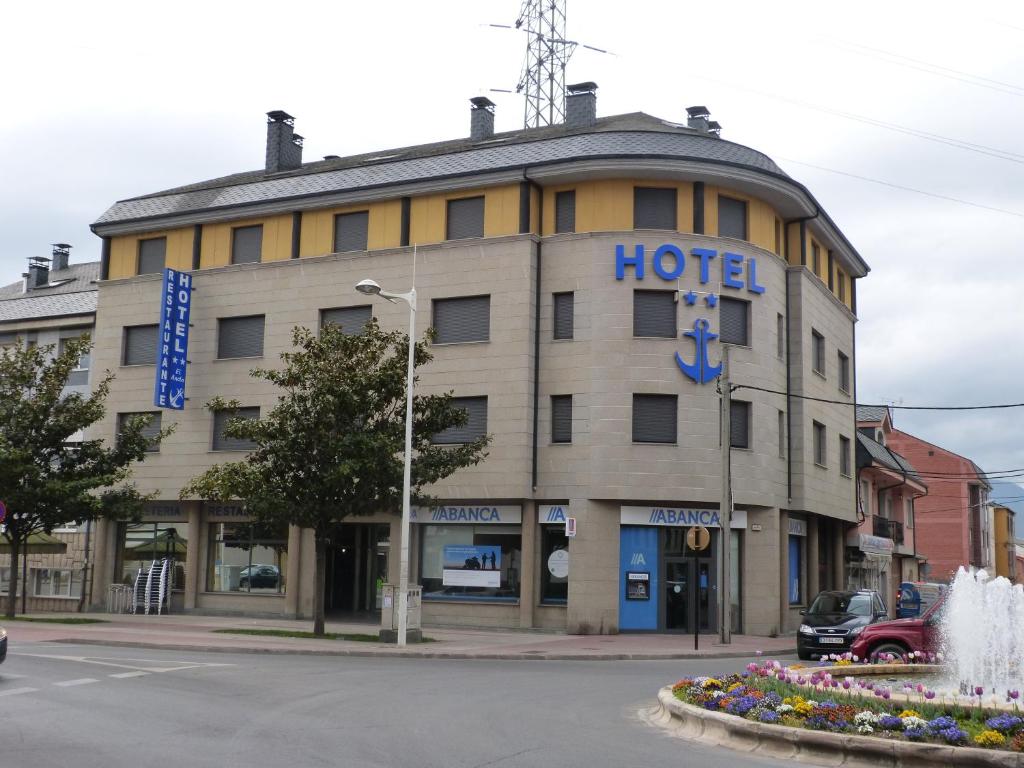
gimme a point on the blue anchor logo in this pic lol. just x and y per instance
(701, 371)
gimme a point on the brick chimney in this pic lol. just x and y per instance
(284, 146)
(481, 118)
(581, 105)
(60, 256)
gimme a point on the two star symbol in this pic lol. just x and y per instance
(691, 298)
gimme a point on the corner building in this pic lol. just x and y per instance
(583, 280)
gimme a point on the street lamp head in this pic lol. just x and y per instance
(369, 287)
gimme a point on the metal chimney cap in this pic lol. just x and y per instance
(481, 102)
(587, 87)
(698, 111)
(279, 116)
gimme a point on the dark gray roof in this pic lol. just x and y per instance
(872, 413)
(879, 454)
(73, 293)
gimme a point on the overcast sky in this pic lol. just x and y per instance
(108, 100)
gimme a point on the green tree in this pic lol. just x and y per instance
(333, 446)
(47, 477)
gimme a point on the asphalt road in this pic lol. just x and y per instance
(97, 707)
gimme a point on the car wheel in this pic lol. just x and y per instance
(896, 649)
(803, 655)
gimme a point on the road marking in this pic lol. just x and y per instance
(79, 681)
(124, 675)
(103, 661)
(6, 676)
(16, 691)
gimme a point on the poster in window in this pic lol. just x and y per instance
(471, 566)
(638, 585)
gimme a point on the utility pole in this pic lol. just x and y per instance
(725, 507)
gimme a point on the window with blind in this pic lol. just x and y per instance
(561, 418)
(152, 254)
(246, 244)
(565, 211)
(820, 450)
(240, 337)
(739, 424)
(462, 319)
(222, 442)
(654, 314)
(475, 426)
(732, 218)
(139, 345)
(654, 208)
(734, 321)
(465, 218)
(817, 352)
(351, 231)
(844, 372)
(844, 456)
(564, 304)
(151, 431)
(654, 418)
(351, 320)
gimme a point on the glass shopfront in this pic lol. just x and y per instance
(247, 557)
(554, 554)
(142, 543)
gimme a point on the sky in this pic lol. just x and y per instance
(109, 100)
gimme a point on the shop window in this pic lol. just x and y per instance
(465, 218)
(820, 450)
(462, 319)
(554, 565)
(475, 426)
(844, 456)
(732, 218)
(844, 373)
(796, 582)
(151, 431)
(142, 543)
(565, 211)
(561, 418)
(222, 442)
(152, 255)
(140, 345)
(351, 320)
(654, 208)
(5, 581)
(247, 557)
(654, 314)
(246, 244)
(55, 582)
(240, 336)
(351, 231)
(739, 424)
(497, 549)
(654, 418)
(564, 308)
(817, 352)
(734, 321)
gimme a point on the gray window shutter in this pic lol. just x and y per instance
(561, 418)
(240, 337)
(140, 344)
(351, 231)
(465, 218)
(654, 208)
(565, 211)
(351, 319)
(654, 418)
(463, 319)
(732, 218)
(246, 244)
(475, 426)
(152, 254)
(150, 432)
(732, 321)
(220, 421)
(739, 423)
(654, 314)
(564, 311)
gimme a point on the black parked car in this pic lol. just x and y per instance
(835, 619)
(259, 576)
(3, 644)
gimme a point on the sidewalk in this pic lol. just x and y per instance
(195, 633)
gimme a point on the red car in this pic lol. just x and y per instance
(900, 636)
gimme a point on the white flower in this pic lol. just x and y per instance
(865, 728)
(784, 709)
(914, 722)
(855, 658)
(865, 718)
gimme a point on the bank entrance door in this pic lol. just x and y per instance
(689, 583)
(357, 568)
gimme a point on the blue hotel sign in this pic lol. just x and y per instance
(172, 342)
(669, 263)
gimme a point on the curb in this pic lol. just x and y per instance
(780, 741)
(439, 654)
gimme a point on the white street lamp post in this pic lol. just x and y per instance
(370, 287)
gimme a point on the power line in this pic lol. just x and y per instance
(876, 405)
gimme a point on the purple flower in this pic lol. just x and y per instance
(914, 734)
(768, 717)
(1013, 695)
(741, 706)
(846, 684)
(800, 680)
(920, 688)
(781, 676)
(1004, 723)
(941, 723)
(929, 695)
(890, 723)
(953, 735)
(886, 693)
(978, 690)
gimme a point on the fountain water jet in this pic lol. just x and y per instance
(983, 631)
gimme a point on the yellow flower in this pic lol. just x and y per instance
(843, 663)
(990, 739)
(712, 683)
(908, 713)
(733, 687)
(803, 708)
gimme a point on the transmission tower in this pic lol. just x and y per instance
(547, 52)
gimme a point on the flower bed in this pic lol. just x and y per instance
(815, 700)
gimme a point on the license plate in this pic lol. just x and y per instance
(836, 640)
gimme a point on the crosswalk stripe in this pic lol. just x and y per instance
(123, 675)
(79, 681)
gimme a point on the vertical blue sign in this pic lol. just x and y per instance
(172, 340)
